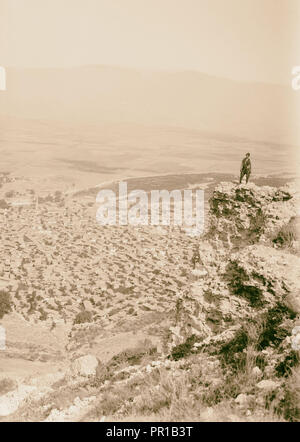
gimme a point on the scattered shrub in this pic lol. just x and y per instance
(43, 314)
(3, 204)
(9, 194)
(184, 349)
(287, 235)
(284, 368)
(232, 353)
(5, 304)
(7, 385)
(289, 405)
(272, 333)
(238, 283)
(83, 317)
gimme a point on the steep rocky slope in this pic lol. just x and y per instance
(241, 272)
(244, 303)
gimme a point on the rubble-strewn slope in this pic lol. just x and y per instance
(229, 346)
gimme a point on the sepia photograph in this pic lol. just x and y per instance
(150, 213)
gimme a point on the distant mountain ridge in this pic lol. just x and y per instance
(101, 94)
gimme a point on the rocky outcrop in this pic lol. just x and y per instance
(265, 276)
(243, 291)
(246, 214)
(269, 280)
(84, 366)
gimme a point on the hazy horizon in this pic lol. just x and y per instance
(148, 69)
(206, 76)
(252, 41)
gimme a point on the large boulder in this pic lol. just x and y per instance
(84, 366)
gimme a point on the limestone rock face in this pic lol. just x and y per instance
(84, 366)
(264, 275)
(246, 214)
(242, 280)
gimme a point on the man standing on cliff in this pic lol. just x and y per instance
(245, 168)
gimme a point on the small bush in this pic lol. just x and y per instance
(5, 304)
(258, 222)
(3, 204)
(289, 406)
(284, 368)
(9, 194)
(83, 317)
(183, 350)
(7, 385)
(43, 314)
(272, 334)
(233, 353)
(238, 282)
(142, 354)
(287, 235)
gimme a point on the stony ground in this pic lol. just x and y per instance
(217, 342)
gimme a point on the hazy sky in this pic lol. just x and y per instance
(241, 39)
